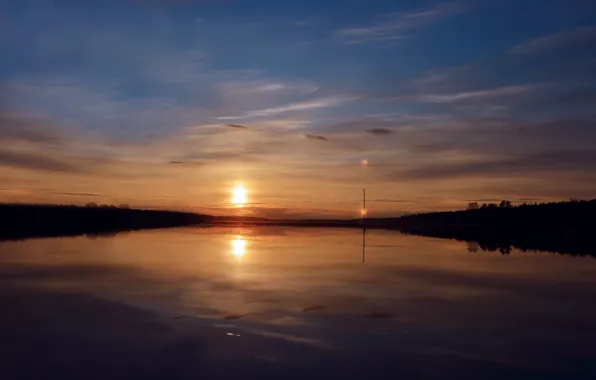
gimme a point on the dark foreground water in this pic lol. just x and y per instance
(291, 303)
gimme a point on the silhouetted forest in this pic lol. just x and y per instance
(564, 227)
(19, 221)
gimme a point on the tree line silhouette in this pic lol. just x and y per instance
(19, 221)
(564, 227)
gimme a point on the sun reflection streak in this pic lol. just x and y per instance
(239, 247)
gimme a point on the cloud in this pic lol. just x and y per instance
(391, 201)
(398, 25)
(379, 131)
(35, 161)
(80, 194)
(575, 37)
(315, 137)
(25, 128)
(481, 94)
(543, 162)
(298, 106)
(263, 87)
(364, 123)
(237, 126)
(187, 163)
(553, 90)
(502, 136)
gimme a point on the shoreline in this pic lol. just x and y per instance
(553, 227)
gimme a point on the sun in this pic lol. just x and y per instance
(239, 197)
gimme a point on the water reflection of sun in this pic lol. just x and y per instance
(239, 247)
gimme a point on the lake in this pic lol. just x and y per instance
(292, 303)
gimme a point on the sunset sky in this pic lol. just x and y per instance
(172, 104)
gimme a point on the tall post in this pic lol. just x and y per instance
(363, 225)
(364, 205)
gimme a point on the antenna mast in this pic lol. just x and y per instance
(363, 204)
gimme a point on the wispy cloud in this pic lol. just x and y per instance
(398, 25)
(542, 162)
(481, 94)
(35, 161)
(236, 126)
(379, 131)
(17, 127)
(187, 163)
(298, 106)
(252, 87)
(390, 201)
(80, 194)
(315, 137)
(578, 36)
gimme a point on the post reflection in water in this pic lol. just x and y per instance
(239, 247)
(363, 244)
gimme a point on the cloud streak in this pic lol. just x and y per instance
(264, 87)
(579, 36)
(35, 161)
(481, 94)
(187, 163)
(543, 162)
(398, 25)
(236, 126)
(18, 127)
(379, 131)
(315, 137)
(292, 107)
(80, 194)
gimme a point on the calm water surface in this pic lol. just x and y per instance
(291, 303)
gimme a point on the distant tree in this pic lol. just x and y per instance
(505, 250)
(91, 204)
(484, 205)
(473, 206)
(492, 205)
(473, 246)
(505, 204)
(124, 206)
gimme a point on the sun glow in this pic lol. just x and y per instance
(239, 195)
(239, 247)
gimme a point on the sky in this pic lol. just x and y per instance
(170, 104)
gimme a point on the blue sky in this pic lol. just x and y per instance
(449, 101)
